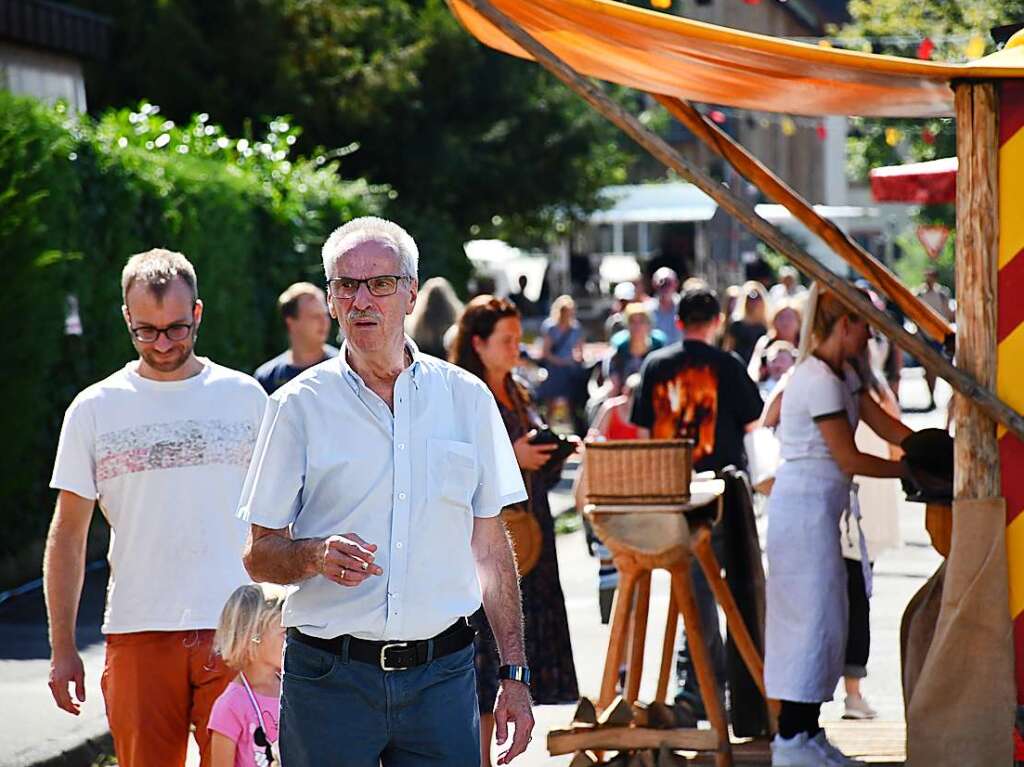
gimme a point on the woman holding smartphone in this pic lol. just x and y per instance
(807, 608)
(487, 344)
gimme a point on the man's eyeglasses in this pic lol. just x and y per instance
(379, 286)
(179, 331)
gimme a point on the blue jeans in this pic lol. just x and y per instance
(337, 712)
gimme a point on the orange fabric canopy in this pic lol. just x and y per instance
(692, 60)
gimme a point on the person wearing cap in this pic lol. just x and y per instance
(663, 305)
(624, 294)
(694, 390)
(375, 489)
(938, 297)
(788, 287)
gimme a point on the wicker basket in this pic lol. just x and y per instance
(639, 471)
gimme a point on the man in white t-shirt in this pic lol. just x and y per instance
(162, 446)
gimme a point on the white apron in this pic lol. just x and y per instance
(807, 606)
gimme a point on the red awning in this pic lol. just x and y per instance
(919, 183)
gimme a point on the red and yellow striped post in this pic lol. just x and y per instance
(1010, 337)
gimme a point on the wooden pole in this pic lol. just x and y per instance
(638, 638)
(744, 212)
(774, 187)
(977, 233)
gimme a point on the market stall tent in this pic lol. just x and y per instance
(961, 707)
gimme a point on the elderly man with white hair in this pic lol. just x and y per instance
(375, 488)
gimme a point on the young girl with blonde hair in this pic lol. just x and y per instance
(244, 719)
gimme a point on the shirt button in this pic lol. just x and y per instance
(401, 496)
(398, 545)
(401, 446)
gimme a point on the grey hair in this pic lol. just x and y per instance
(367, 228)
(157, 269)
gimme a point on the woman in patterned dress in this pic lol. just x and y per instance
(487, 344)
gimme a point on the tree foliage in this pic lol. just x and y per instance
(77, 197)
(897, 27)
(472, 142)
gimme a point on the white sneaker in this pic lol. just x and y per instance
(858, 708)
(801, 751)
(836, 756)
(793, 752)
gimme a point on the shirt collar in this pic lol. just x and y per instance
(415, 369)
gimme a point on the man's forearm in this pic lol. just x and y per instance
(503, 602)
(282, 560)
(63, 576)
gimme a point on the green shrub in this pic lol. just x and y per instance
(77, 197)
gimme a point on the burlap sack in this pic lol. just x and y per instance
(960, 708)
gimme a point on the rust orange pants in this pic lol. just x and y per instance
(156, 684)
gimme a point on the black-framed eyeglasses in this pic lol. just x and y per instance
(179, 331)
(379, 286)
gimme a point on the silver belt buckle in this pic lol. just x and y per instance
(383, 656)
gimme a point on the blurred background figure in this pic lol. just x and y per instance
(487, 344)
(562, 357)
(784, 325)
(303, 308)
(938, 297)
(664, 303)
(624, 293)
(730, 298)
(526, 307)
(788, 287)
(749, 321)
(631, 346)
(436, 311)
(780, 356)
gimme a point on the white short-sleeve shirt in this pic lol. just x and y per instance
(814, 391)
(165, 461)
(332, 458)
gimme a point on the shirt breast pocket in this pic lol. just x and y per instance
(453, 470)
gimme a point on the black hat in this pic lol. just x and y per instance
(698, 305)
(930, 456)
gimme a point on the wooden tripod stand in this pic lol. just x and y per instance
(643, 538)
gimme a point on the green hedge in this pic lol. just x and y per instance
(77, 197)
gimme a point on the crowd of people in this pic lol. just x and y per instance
(366, 491)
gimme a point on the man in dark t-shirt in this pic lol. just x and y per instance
(303, 308)
(694, 390)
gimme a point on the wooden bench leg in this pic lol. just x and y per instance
(734, 619)
(683, 588)
(638, 636)
(668, 647)
(619, 632)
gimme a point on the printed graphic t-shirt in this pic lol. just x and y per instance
(165, 460)
(234, 717)
(693, 390)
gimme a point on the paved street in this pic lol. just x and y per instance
(32, 729)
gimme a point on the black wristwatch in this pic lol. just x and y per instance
(515, 673)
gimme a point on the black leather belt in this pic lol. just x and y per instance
(393, 656)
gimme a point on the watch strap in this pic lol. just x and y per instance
(515, 673)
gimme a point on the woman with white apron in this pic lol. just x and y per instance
(807, 609)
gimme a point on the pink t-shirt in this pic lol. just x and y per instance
(234, 717)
